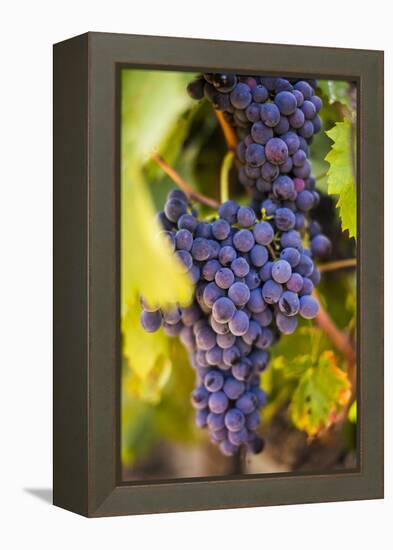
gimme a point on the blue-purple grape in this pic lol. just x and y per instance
(223, 310)
(281, 271)
(285, 324)
(245, 216)
(309, 307)
(276, 151)
(234, 420)
(286, 102)
(239, 323)
(239, 293)
(289, 303)
(233, 388)
(218, 402)
(213, 381)
(240, 266)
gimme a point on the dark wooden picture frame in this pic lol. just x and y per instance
(86, 275)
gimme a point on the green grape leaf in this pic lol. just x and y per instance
(148, 418)
(148, 265)
(171, 145)
(352, 413)
(151, 104)
(335, 90)
(321, 393)
(294, 368)
(341, 180)
(147, 357)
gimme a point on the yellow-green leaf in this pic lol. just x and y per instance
(148, 265)
(151, 104)
(294, 368)
(352, 413)
(322, 391)
(335, 90)
(341, 178)
(147, 357)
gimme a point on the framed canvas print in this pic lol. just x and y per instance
(218, 274)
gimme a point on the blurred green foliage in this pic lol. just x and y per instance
(151, 104)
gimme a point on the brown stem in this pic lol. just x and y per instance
(339, 264)
(228, 131)
(183, 184)
(343, 344)
(338, 338)
(271, 250)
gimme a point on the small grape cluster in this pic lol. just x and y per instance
(253, 278)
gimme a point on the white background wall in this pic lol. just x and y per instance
(28, 30)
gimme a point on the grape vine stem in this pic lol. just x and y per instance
(335, 335)
(228, 131)
(182, 183)
(224, 176)
(271, 250)
(339, 264)
(343, 344)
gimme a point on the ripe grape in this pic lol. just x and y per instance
(255, 155)
(239, 323)
(281, 271)
(227, 254)
(261, 133)
(263, 233)
(200, 397)
(270, 114)
(234, 420)
(200, 249)
(243, 240)
(285, 219)
(276, 151)
(289, 303)
(224, 277)
(259, 255)
(214, 381)
(175, 208)
(239, 293)
(240, 96)
(320, 246)
(286, 102)
(286, 325)
(228, 211)
(245, 216)
(271, 291)
(151, 320)
(233, 388)
(240, 266)
(223, 310)
(218, 402)
(309, 307)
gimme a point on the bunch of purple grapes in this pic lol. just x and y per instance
(275, 120)
(253, 279)
(253, 275)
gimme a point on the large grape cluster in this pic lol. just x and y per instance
(253, 278)
(253, 275)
